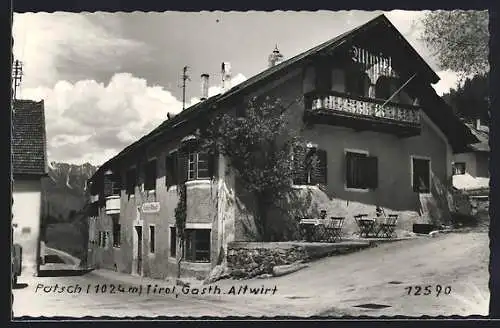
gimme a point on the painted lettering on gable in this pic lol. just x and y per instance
(379, 63)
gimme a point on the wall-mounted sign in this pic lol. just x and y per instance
(152, 207)
(377, 62)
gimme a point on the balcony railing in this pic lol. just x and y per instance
(113, 204)
(363, 113)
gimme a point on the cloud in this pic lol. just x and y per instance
(448, 80)
(91, 122)
(56, 46)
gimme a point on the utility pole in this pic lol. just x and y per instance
(17, 74)
(185, 77)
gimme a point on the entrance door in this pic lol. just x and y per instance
(138, 230)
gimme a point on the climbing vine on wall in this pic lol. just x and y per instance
(180, 222)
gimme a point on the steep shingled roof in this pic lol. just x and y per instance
(332, 44)
(29, 155)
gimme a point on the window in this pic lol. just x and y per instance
(310, 166)
(198, 166)
(173, 242)
(102, 239)
(171, 173)
(116, 231)
(197, 247)
(357, 83)
(131, 180)
(112, 185)
(458, 168)
(361, 171)
(152, 241)
(107, 238)
(150, 175)
(421, 177)
(383, 88)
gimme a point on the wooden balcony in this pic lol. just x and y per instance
(362, 113)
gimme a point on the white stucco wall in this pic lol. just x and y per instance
(26, 209)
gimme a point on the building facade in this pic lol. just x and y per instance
(471, 167)
(365, 107)
(29, 167)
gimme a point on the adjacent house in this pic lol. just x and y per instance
(367, 108)
(29, 166)
(471, 167)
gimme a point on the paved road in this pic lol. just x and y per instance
(43, 296)
(331, 286)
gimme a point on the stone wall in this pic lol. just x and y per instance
(250, 259)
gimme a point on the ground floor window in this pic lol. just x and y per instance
(116, 232)
(310, 166)
(107, 239)
(152, 241)
(421, 175)
(173, 242)
(197, 246)
(361, 170)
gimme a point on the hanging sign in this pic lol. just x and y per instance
(152, 207)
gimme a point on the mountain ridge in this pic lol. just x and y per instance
(65, 190)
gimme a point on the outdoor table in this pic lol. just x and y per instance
(308, 227)
(366, 227)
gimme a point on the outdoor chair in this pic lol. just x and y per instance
(333, 228)
(387, 226)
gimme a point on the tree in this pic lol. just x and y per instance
(260, 147)
(470, 100)
(459, 39)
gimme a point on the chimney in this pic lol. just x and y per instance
(204, 86)
(226, 76)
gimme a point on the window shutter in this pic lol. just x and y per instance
(108, 186)
(320, 171)
(182, 164)
(168, 170)
(299, 162)
(213, 161)
(370, 171)
(350, 170)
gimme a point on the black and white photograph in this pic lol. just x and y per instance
(250, 164)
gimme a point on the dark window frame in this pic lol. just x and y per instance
(173, 242)
(357, 82)
(192, 251)
(152, 239)
(426, 187)
(150, 174)
(309, 175)
(361, 170)
(116, 232)
(131, 181)
(171, 171)
(462, 169)
(194, 159)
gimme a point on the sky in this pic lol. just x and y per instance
(107, 79)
